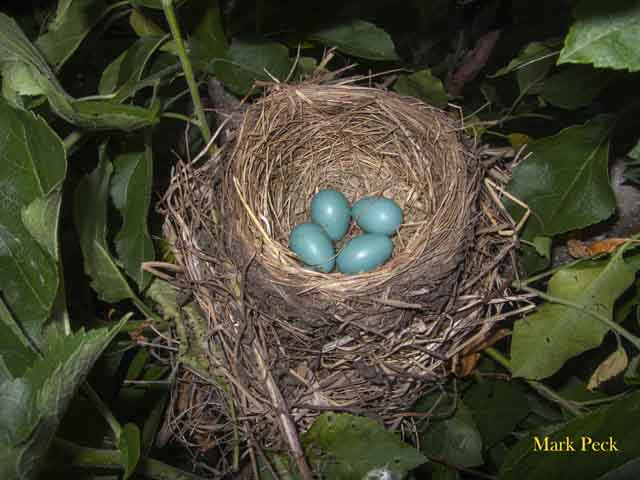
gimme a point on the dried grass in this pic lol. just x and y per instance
(284, 343)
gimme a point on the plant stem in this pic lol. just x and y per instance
(144, 309)
(520, 284)
(179, 116)
(539, 387)
(104, 410)
(600, 401)
(86, 457)
(170, 14)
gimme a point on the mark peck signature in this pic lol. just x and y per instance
(581, 444)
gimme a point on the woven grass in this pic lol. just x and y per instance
(283, 343)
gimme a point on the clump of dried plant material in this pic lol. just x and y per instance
(279, 343)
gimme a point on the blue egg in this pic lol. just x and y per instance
(377, 215)
(365, 253)
(330, 209)
(312, 244)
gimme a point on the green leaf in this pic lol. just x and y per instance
(543, 341)
(33, 405)
(358, 38)
(617, 421)
(129, 446)
(531, 66)
(16, 47)
(86, 113)
(91, 223)
(124, 72)
(32, 168)
(632, 375)
(605, 34)
(424, 86)
(626, 471)
(131, 191)
(164, 71)
(632, 166)
(497, 407)
(152, 423)
(105, 115)
(73, 21)
(144, 26)
(565, 180)
(110, 75)
(530, 75)
(542, 246)
(574, 389)
(208, 43)
(5, 374)
(248, 60)
(41, 218)
(15, 350)
(166, 296)
(305, 66)
(19, 78)
(154, 4)
(348, 447)
(455, 440)
(575, 87)
(442, 472)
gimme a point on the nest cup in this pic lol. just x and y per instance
(293, 340)
(361, 142)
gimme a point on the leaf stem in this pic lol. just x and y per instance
(170, 14)
(538, 386)
(104, 410)
(145, 310)
(600, 401)
(520, 284)
(87, 457)
(179, 116)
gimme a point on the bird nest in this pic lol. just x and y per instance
(280, 343)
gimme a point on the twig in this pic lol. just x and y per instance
(289, 429)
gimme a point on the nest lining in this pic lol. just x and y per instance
(288, 339)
